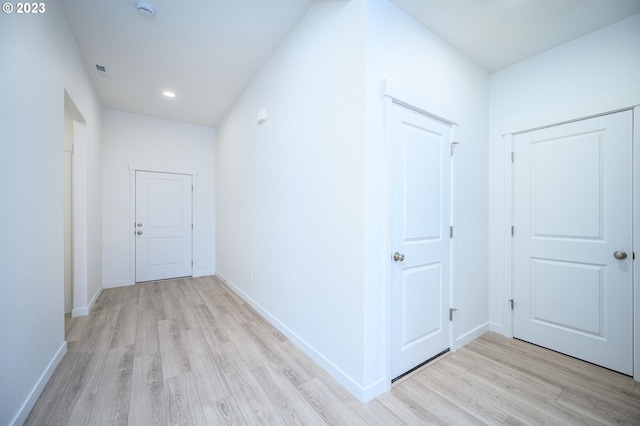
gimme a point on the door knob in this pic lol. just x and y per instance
(398, 257)
(139, 232)
(139, 225)
(619, 255)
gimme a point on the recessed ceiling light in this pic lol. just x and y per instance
(169, 94)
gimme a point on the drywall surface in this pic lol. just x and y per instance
(301, 198)
(591, 75)
(39, 62)
(289, 194)
(422, 70)
(130, 141)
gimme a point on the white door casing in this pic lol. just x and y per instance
(68, 212)
(572, 198)
(420, 282)
(163, 226)
(68, 232)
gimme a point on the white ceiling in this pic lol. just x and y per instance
(208, 51)
(499, 33)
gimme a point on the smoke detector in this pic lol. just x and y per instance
(145, 8)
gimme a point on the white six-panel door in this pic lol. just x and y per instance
(163, 227)
(573, 218)
(420, 239)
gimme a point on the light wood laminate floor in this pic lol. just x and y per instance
(191, 352)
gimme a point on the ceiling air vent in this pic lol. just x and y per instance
(101, 71)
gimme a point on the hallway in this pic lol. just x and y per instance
(191, 352)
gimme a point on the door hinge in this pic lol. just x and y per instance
(512, 157)
(513, 230)
(451, 232)
(192, 263)
(453, 144)
(511, 302)
(451, 311)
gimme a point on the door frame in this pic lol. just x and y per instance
(508, 271)
(68, 215)
(135, 167)
(393, 92)
(81, 305)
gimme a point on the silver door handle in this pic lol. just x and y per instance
(398, 257)
(139, 225)
(619, 255)
(139, 232)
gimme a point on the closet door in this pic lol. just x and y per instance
(573, 239)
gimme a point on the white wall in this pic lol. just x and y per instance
(290, 194)
(300, 198)
(39, 61)
(429, 73)
(162, 145)
(597, 73)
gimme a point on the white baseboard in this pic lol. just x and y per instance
(370, 392)
(471, 335)
(496, 328)
(364, 394)
(28, 404)
(204, 273)
(127, 282)
(94, 299)
(79, 312)
(114, 284)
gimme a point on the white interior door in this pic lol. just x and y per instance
(420, 239)
(573, 217)
(163, 226)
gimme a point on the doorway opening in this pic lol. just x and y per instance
(68, 212)
(74, 210)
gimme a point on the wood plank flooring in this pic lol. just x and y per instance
(190, 352)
